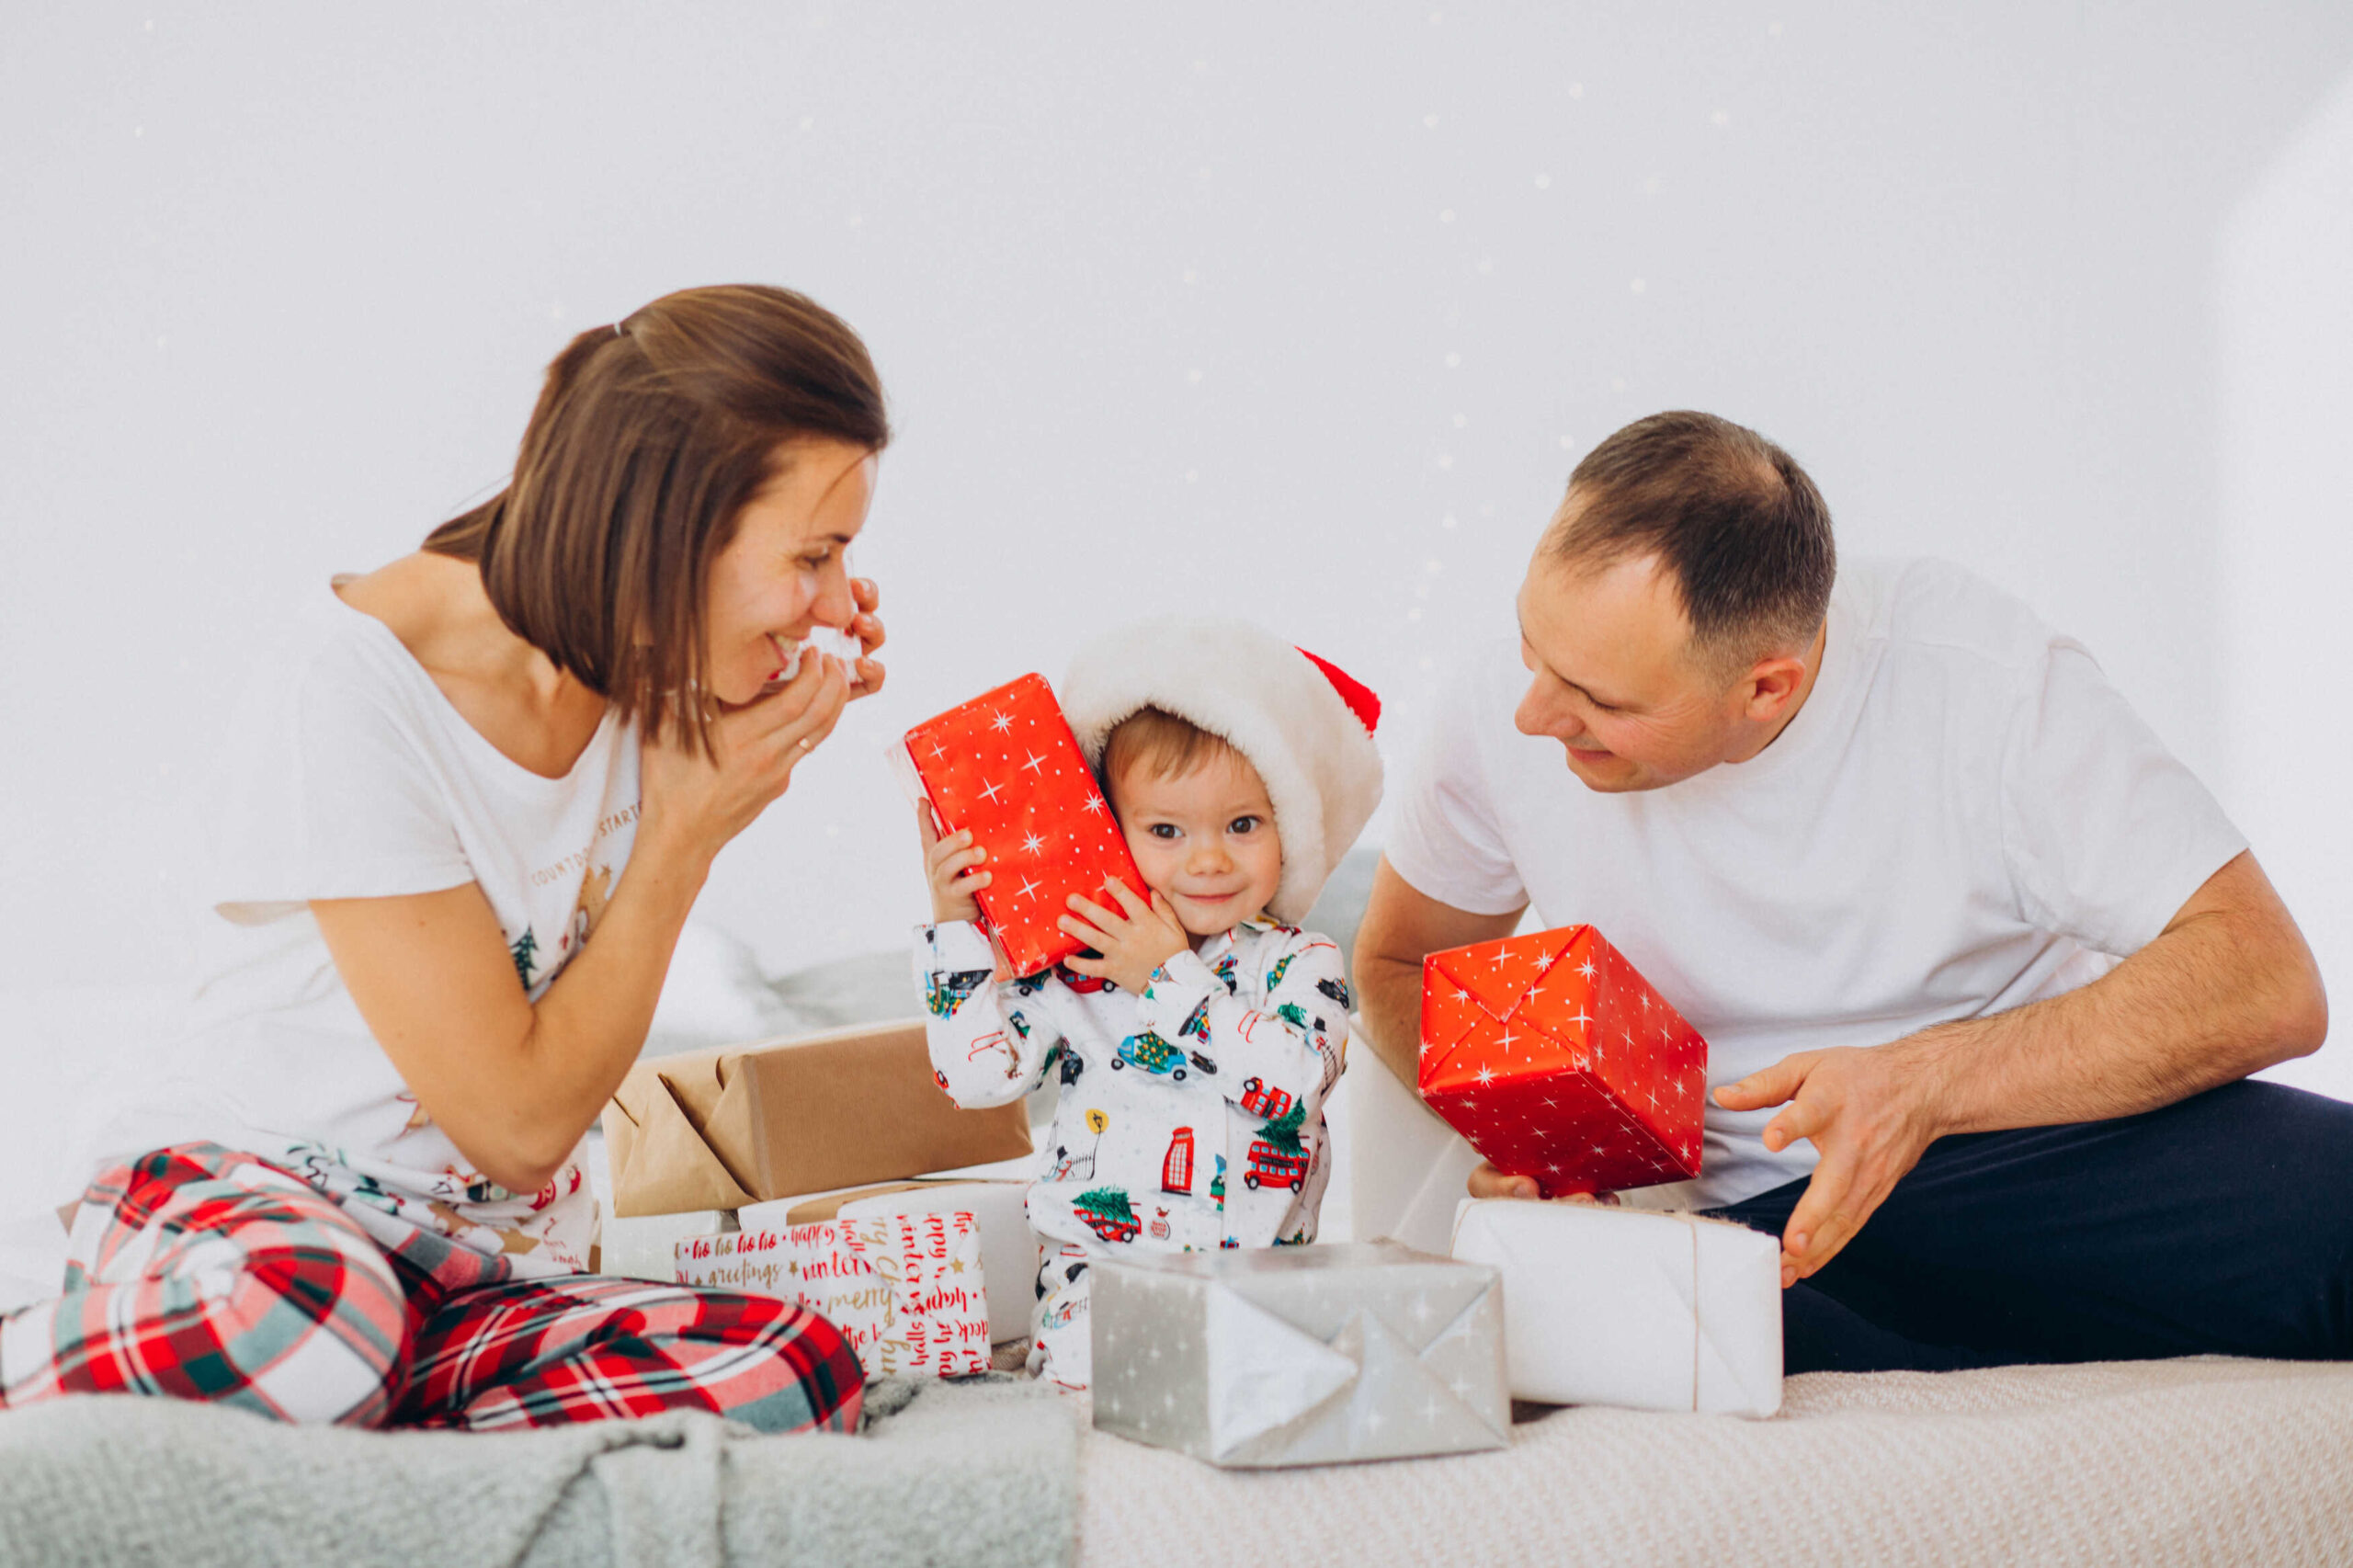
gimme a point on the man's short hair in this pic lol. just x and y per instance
(1731, 516)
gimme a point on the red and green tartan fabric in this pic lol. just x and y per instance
(1006, 765)
(207, 1273)
(1554, 1057)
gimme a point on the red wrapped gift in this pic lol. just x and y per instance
(1006, 765)
(1557, 1061)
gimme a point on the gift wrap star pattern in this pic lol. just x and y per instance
(1556, 1059)
(1303, 1355)
(1006, 765)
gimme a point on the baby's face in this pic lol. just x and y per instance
(1204, 840)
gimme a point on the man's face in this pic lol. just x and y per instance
(1615, 680)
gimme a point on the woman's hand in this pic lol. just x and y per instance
(867, 627)
(944, 863)
(1132, 945)
(696, 804)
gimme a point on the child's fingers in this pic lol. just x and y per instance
(938, 851)
(1092, 968)
(957, 860)
(1087, 934)
(1096, 913)
(972, 883)
(1136, 908)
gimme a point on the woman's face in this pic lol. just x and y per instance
(782, 576)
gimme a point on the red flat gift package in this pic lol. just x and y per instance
(1006, 765)
(1557, 1061)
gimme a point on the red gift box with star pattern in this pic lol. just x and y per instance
(1554, 1057)
(1006, 765)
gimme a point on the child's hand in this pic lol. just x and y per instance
(1132, 945)
(945, 861)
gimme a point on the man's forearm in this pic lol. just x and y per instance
(2228, 989)
(1392, 994)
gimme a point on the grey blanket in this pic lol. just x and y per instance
(984, 1472)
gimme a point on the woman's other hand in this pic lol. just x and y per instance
(945, 863)
(695, 804)
(867, 627)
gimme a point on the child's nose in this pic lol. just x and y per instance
(1208, 858)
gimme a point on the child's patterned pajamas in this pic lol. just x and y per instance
(200, 1273)
(1191, 1116)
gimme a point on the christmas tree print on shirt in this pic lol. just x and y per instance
(524, 952)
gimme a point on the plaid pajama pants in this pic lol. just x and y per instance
(200, 1273)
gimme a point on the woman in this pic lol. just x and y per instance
(469, 809)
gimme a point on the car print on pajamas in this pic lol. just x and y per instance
(1261, 1100)
(1153, 1054)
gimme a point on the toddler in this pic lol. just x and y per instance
(1195, 1052)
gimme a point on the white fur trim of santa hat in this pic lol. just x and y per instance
(1311, 744)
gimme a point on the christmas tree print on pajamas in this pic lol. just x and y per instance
(1222, 1065)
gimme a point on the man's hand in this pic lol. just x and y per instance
(1489, 1182)
(1870, 1114)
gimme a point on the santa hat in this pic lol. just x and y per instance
(1304, 723)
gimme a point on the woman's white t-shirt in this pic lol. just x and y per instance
(347, 774)
(1964, 816)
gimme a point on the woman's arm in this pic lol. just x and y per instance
(515, 1083)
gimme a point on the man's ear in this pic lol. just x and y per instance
(1771, 684)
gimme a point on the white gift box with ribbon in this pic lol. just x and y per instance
(1303, 1355)
(1616, 1306)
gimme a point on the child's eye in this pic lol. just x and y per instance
(1163, 830)
(1243, 825)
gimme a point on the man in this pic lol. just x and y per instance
(1929, 886)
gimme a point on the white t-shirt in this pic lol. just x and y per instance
(347, 774)
(1964, 816)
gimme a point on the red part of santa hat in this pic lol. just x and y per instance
(1361, 699)
(1306, 724)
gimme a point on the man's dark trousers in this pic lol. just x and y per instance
(2221, 1224)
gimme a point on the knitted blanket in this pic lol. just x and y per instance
(982, 1473)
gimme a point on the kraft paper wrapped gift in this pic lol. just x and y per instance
(904, 1289)
(1615, 1306)
(1009, 1248)
(1006, 765)
(1301, 1355)
(724, 1128)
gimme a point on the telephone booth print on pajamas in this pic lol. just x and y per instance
(1176, 1166)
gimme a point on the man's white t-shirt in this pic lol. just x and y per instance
(347, 774)
(1964, 816)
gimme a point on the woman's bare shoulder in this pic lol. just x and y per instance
(419, 597)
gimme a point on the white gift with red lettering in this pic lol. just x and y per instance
(904, 1289)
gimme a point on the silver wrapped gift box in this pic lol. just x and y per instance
(1305, 1354)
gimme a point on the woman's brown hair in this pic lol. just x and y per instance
(650, 437)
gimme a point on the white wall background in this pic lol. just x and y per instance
(1309, 309)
